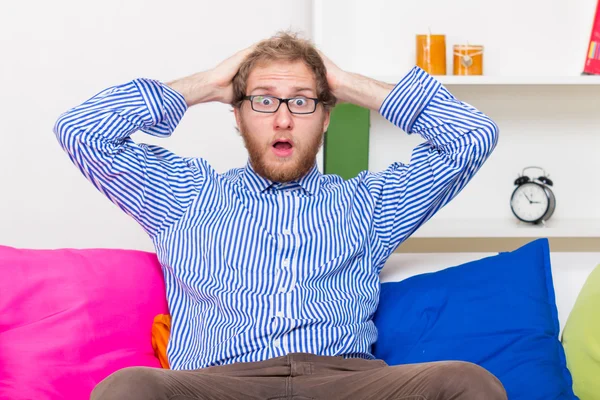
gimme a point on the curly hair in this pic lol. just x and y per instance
(284, 46)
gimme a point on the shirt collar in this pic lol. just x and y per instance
(311, 182)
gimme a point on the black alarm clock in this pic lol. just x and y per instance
(532, 200)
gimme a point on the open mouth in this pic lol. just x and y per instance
(283, 147)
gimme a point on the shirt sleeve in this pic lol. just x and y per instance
(458, 140)
(148, 182)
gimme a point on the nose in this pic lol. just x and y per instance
(283, 118)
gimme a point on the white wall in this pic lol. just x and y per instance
(57, 54)
(555, 127)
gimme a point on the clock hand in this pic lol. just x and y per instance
(533, 202)
(528, 199)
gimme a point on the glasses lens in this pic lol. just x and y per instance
(301, 105)
(264, 103)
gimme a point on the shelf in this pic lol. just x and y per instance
(498, 228)
(450, 80)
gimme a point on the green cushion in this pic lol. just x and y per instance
(581, 339)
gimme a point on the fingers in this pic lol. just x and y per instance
(238, 58)
(328, 63)
(324, 57)
(242, 54)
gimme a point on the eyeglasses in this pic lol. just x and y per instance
(270, 104)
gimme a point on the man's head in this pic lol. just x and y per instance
(282, 145)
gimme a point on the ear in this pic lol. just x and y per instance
(326, 120)
(236, 112)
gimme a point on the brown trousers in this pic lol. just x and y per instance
(306, 376)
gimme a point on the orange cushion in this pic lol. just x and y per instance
(161, 329)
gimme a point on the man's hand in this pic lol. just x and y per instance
(214, 84)
(353, 88)
(335, 75)
(222, 75)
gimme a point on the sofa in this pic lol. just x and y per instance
(71, 317)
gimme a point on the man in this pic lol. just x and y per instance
(272, 270)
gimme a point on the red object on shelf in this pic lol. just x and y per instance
(592, 63)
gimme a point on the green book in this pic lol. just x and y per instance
(346, 147)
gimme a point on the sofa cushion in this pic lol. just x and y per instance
(581, 339)
(69, 318)
(498, 312)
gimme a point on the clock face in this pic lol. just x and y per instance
(529, 202)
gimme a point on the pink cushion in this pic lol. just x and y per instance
(69, 318)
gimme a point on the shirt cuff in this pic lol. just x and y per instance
(165, 105)
(409, 98)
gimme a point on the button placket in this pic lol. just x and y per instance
(290, 203)
(286, 246)
(282, 258)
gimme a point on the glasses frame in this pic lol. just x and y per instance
(251, 98)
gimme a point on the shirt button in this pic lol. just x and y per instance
(285, 263)
(279, 314)
(276, 342)
(281, 290)
(286, 231)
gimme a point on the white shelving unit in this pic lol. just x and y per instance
(540, 118)
(511, 227)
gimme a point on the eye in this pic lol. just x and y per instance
(264, 101)
(300, 102)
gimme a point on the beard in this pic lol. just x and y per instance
(281, 169)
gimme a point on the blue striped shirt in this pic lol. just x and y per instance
(255, 269)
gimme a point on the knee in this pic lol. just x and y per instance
(129, 383)
(465, 380)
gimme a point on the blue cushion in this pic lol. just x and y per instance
(498, 312)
